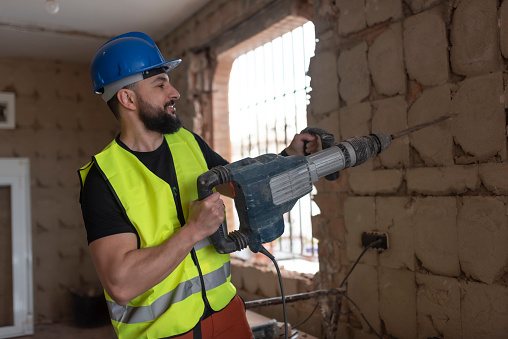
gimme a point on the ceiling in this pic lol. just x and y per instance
(80, 27)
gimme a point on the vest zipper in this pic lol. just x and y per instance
(179, 210)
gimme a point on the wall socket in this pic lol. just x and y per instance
(370, 237)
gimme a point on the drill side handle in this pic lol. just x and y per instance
(221, 240)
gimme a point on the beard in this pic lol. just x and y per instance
(157, 120)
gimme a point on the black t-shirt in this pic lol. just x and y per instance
(103, 214)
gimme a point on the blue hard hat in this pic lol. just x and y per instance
(125, 55)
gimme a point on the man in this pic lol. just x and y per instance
(147, 233)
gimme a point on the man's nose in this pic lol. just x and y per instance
(173, 93)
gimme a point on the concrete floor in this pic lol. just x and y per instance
(68, 330)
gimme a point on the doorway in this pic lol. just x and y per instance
(16, 281)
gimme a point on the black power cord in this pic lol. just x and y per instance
(372, 244)
(272, 258)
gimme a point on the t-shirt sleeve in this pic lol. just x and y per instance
(212, 158)
(102, 213)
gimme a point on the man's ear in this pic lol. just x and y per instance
(127, 98)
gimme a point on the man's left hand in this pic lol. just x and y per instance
(299, 147)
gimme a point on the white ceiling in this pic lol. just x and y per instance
(80, 27)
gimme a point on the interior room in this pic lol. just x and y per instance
(408, 241)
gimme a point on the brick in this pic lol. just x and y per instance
(386, 62)
(426, 48)
(479, 127)
(92, 142)
(438, 306)
(483, 235)
(237, 272)
(475, 38)
(359, 216)
(323, 72)
(329, 122)
(374, 182)
(442, 180)
(378, 11)
(339, 185)
(47, 113)
(503, 28)
(484, 310)
(268, 283)
(17, 143)
(26, 112)
(354, 120)
(328, 203)
(435, 234)
(66, 120)
(251, 279)
(434, 144)
(494, 177)
(97, 117)
(397, 302)
(362, 287)
(329, 251)
(390, 115)
(393, 216)
(328, 228)
(354, 74)
(351, 16)
(357, 333)
(420, 5)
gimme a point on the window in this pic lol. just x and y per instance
(268, 100)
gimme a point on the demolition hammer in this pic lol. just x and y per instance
(269, 185)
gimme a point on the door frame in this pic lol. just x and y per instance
(15, 173)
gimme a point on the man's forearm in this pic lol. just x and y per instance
(134, 271)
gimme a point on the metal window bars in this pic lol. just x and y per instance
(268, 98)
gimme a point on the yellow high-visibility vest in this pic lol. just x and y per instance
(175, 305)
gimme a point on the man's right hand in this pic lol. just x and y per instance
(206, 215)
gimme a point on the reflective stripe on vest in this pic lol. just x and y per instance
(132, 315)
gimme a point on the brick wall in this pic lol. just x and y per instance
(440, 193)
(60, 124)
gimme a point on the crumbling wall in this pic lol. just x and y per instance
(440, 193)
(60, 124)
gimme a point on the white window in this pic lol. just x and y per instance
(268, 98)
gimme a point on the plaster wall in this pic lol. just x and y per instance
(60, 124)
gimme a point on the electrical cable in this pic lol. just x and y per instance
(372, 244)
(358, 308)
(310, 315)
(272, 258)
(286, 332)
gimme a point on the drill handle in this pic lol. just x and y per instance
(221, 240)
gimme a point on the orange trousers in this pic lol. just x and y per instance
(230, 323)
